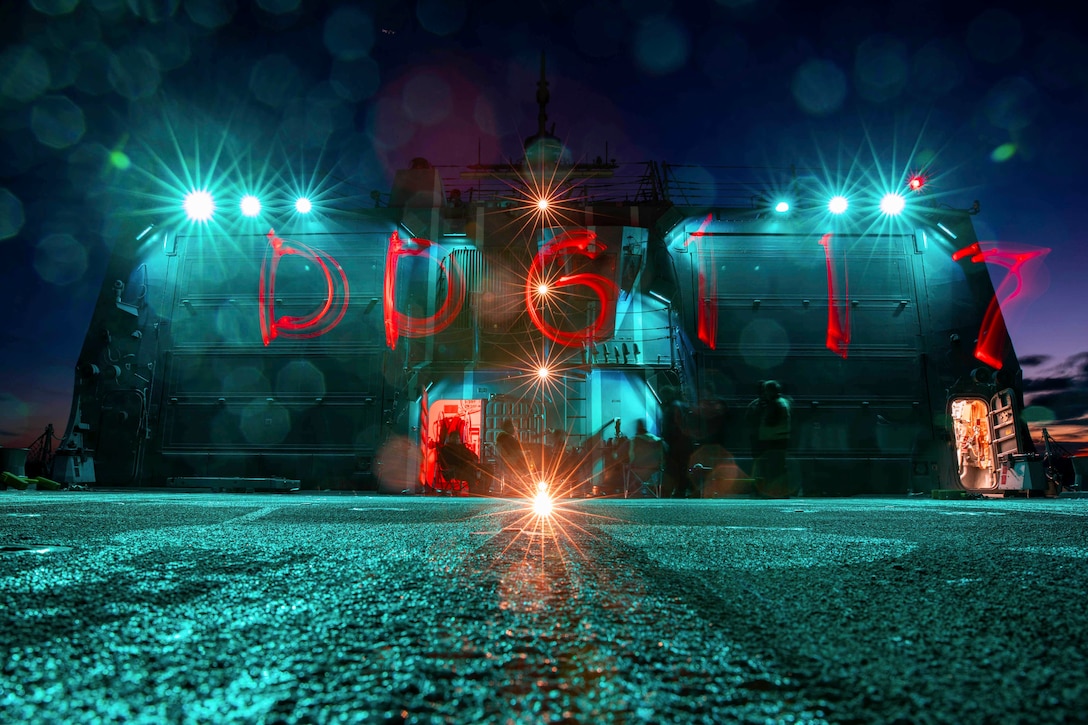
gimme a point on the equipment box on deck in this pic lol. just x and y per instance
(1021, 472)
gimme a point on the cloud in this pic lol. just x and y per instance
(1038, 385)
(1033, 361)
(1062, 392)
(1066, 405)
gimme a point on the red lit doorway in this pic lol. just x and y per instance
(438, 421)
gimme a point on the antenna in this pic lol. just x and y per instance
(542, 98)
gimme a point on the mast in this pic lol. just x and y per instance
(542, 98)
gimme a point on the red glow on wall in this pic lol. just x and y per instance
(838, 302)
(398, 323)
(706, 322)
(327, 316)
(583, 243)
(1015, 290)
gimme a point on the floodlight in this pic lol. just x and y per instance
(251, 205)
(303, 205)
(892, 204)
(837, 205)
(782, 207)
(542, 504)
(199, 205)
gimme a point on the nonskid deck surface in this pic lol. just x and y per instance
(164, 605)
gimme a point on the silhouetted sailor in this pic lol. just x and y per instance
(772, 442)
(458, 464)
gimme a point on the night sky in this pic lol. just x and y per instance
(109, 109)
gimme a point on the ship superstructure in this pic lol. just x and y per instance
(339, 348)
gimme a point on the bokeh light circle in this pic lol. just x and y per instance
(134, 73)
(595, 30)
(427, 99)
(275, 79)
(441, 17)
(245, 380)
(994, 36)
(54, 7)
(1038, 414)
(1012, 103)
(661, 46)
(94, 61)
(819, 87)
(300, 377)
(57, 122)
(265, 423)
(210, 14)
(169, 42)
(12, 217)
(355, 80)
(396, 463)
(60, 259)
(881, 68)
(24, 73)
(349, 33)
(14, 413)
(153, 11)
(278, 7)
(764, 344)
(389, 124)
(937, 68)
(232, 324)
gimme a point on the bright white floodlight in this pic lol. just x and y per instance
(251, 205)
(892, 204)
(199, 205)
(303, 205)
(837, 205)
(542, 504)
